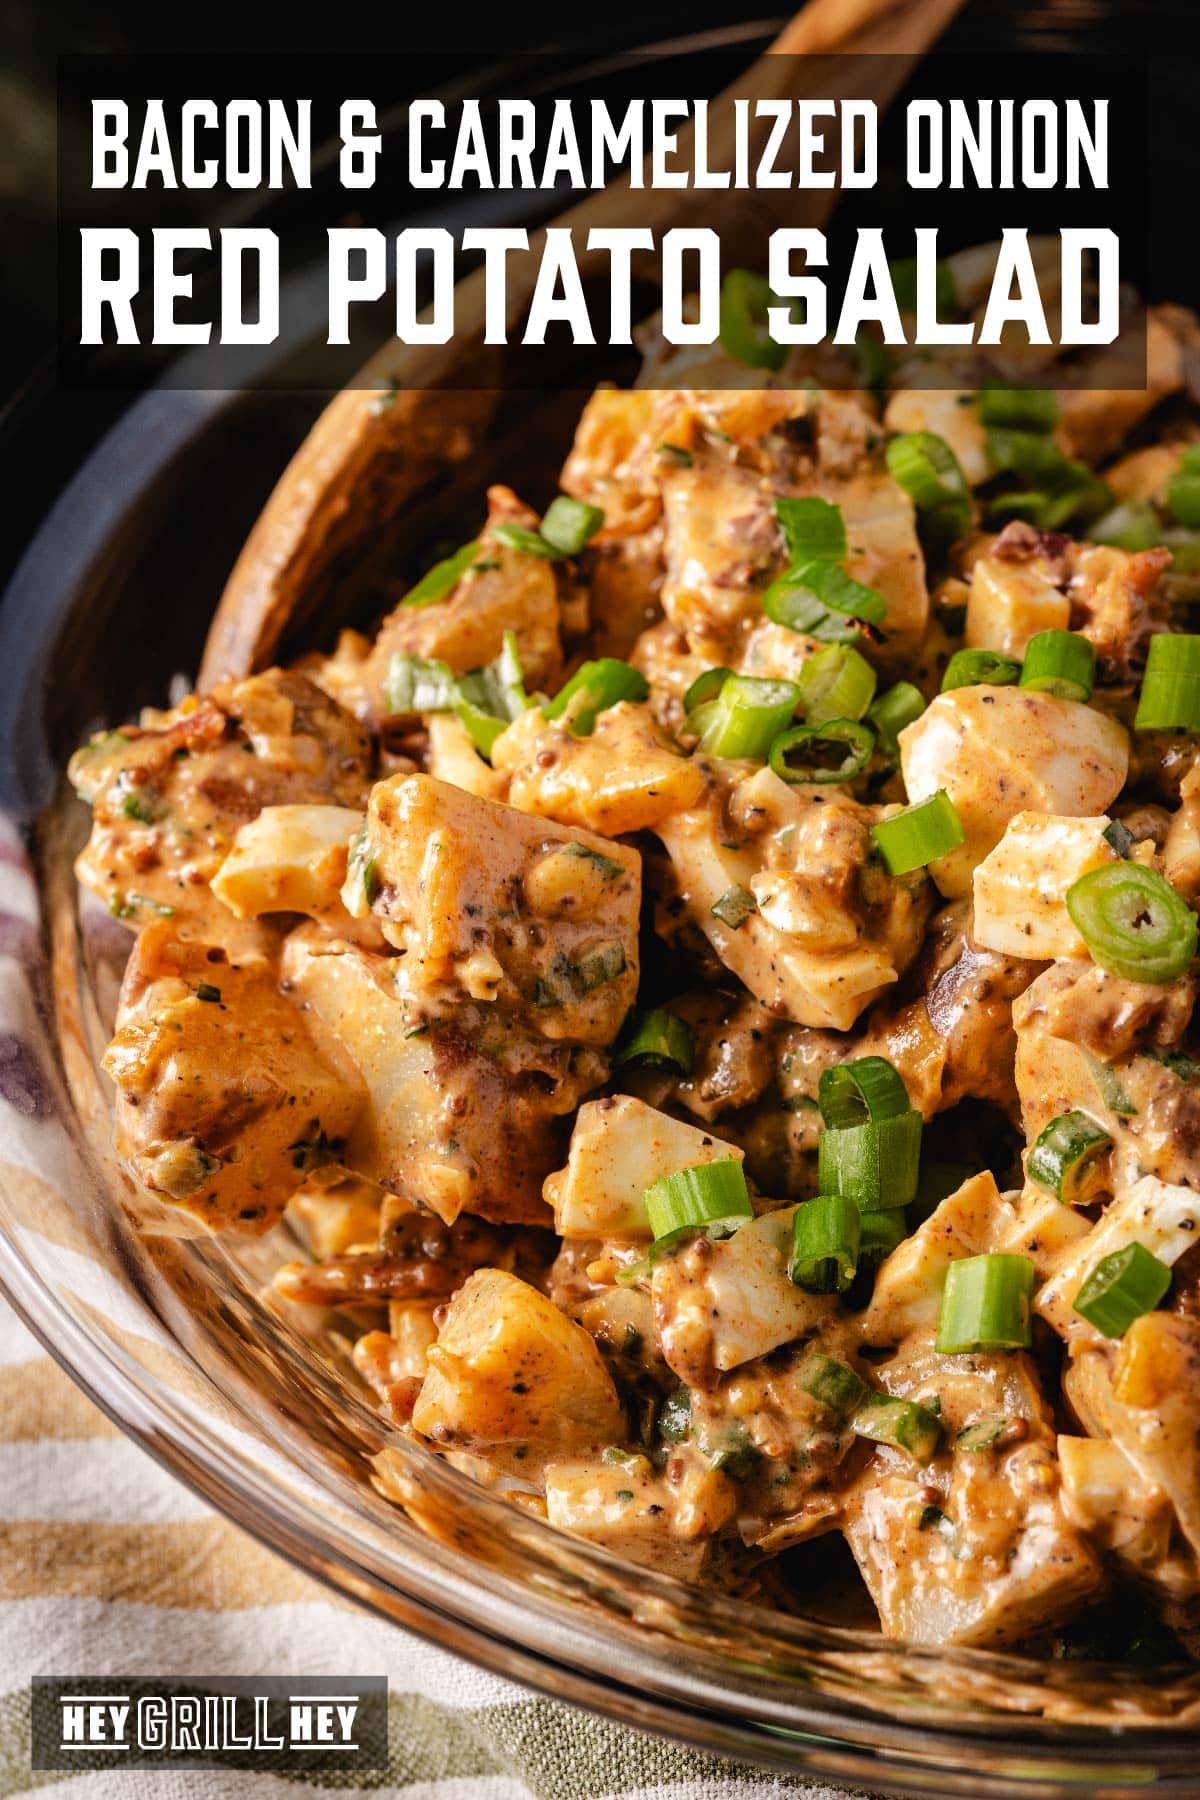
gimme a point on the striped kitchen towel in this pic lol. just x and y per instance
(110, 1567)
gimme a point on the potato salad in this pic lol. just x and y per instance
(703, 991)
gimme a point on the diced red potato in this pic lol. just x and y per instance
(512, 1379)
(453, 758)
(1105, 1497)
(465, 1113)
(625, 776)
(1086, 1039)
(504, 590)
(989, 1560)
(487, 904)
(226, 1093)
(1009, 602)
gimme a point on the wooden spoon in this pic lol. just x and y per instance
(375, 473)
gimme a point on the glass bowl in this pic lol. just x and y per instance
(170, 1333)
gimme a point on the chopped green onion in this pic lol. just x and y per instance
(742, 321)
(805, 755)
(678, 454)
(206, 991)
(125, 906)
(920, 834)
(592, 690)
(1170, 696)
(1134, 525)
(747, 717)
(569, 524)
(1061, 663)
(528, 542)
(608, 866)
(852, 1093)
(813, 529)
(1133, 922)
(1181, 1065)
(735, 907)
(832, 1384)
(900, 706)
(904, 1424)
(139, 804)
(1185, 551)
(874, 361)
(877, 1163)
(975, 668)
(1064, 1158)
(822, 601)
(491, 698)
(826, 1233)
(568, 981)
(695, 1197)
(417, 686)
(1110, 1088)
(444, 576)
(1183, 489)
(904, 285)
(1061, 489)
(984, 1434)
(1021, 409)
(730, 1449)
(1028, 504)
(986, 1304)
(1081, 496)
(657, 1038)
(928, 470)
(697, 722)
(1120, 1288)
(1029, 454)
(836, 683)
(361, 863)
(706, 687)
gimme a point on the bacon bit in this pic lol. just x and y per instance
(344, 1280)
(1020, 540)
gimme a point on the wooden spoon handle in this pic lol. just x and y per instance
(353, 498)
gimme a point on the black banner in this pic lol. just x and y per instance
(260, 222)
(319, 1723)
